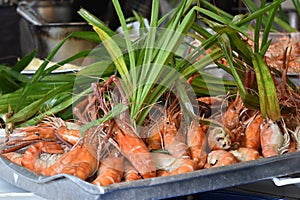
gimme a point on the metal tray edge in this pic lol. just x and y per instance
(204, 180)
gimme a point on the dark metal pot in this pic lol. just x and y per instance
(45, 23)
(9, 35)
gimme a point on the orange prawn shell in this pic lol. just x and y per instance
(174, 142)
(245, 154)
(155, 135)
(41, 131)
(136, 151)
(252, 133)
(231, 116)
(70, 135)
(111, 171)
(196, 141)
(14, 157)
(167, 164)
(130, 173)
(31, 156)
(219, 158)
(79, 162)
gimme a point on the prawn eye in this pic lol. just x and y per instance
(219, 139)
(224, 145)
(213, 162)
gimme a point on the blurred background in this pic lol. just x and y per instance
(21, 33)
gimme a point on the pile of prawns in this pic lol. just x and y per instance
(116, 151)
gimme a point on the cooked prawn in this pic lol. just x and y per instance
(130, 173)
(14, 146)
(272, 139)
(211, 100)
(170, 165)
(80, 161)
(134, 149)
(14, 157)
(218, 138)
(231, 118)
(252, 133)
(155, 136)
(218, 158)
(66, 131)
(70, 135)
(196, 141)
(32, 160)
(245, 154)
(111, 170)
(30, 133)
(174, 141)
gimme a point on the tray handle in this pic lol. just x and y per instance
(286, 181)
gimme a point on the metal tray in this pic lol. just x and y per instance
(69, 187)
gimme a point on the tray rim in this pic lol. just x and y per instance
(214, 175)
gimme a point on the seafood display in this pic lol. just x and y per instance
(116, 151)
(181, 108)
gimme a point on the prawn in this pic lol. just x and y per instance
(23, 137)
(272, 140)
(70, 135)
(130, 173)
(134, 149)
(231, 116)
(218, 138)
(65, 131)
(174, 141)
(30, 133)
(14, 157)
(211, 100)
(218, 158)
(11, 147)
(155, 135)
(80, 161)
(252, 133)
(111, 170)
(32, 156)
(196, 141)
(245, 154)
(170, 165)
